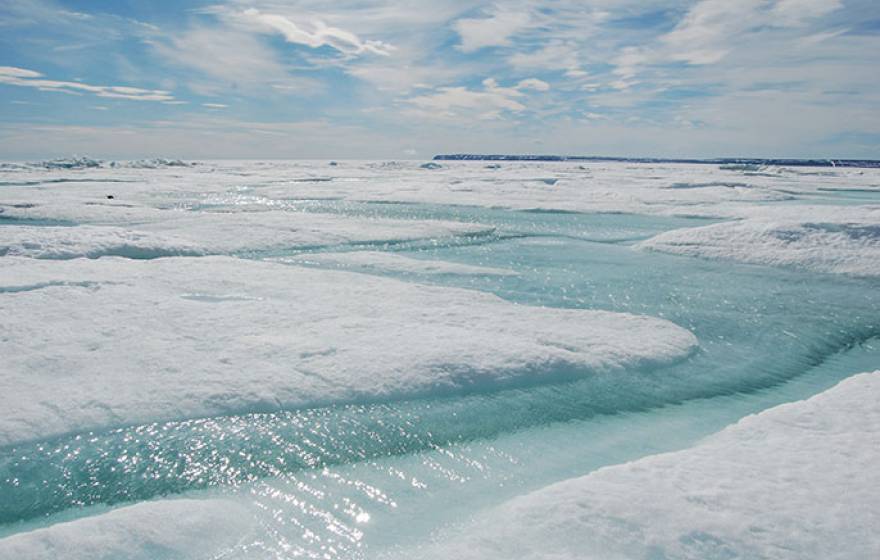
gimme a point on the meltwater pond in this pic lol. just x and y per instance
(381, 478)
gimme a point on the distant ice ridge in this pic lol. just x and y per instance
(843, 241)
(159, 530)
(89, 163)
(713, 161)
(94, 343)
(796, 482)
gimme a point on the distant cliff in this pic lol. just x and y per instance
(715, 161)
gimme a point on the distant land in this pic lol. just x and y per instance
(716, 161)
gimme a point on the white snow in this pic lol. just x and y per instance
(89, 241)
(159, 530)
(845, 241)
(93, 343)
(394, 262)
(799, 481)
(214, 233)
(243, 231)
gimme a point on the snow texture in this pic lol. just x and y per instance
(844, 243)
(213, 233)
(89, 344)
(160, 530)
(795, 482)
(91, 242)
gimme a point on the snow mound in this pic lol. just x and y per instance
(799, 481)
(155, 163)
(843, 247)
(160, 530)
(89, 344)
(65, 163)
(91, 242)
(393, 262)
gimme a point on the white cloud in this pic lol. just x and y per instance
(490, 103)
(491, 31)
(13, 72)
(215, 105)
(29, 78)
(314, 34)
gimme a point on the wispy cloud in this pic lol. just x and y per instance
(314, 33)
(30, 78)
(711, 29)
(217, 59)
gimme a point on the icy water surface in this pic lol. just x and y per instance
(383, 477)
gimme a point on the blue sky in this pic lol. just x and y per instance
(386, 79)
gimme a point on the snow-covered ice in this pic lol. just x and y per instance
(90, 241)
(845, 242)
(160, 530)
(796, 481)
(214, 233)
(121, 341)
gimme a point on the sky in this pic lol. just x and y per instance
(371, 79)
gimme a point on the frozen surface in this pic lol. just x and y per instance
(133, 341)
(214, 233)
(161, 530)
(794, 482)
(349, 361)
(54, 242)
(267, 231)
(836, 241)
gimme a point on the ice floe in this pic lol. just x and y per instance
(796, 481)
(845, 241)
(95, 343)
